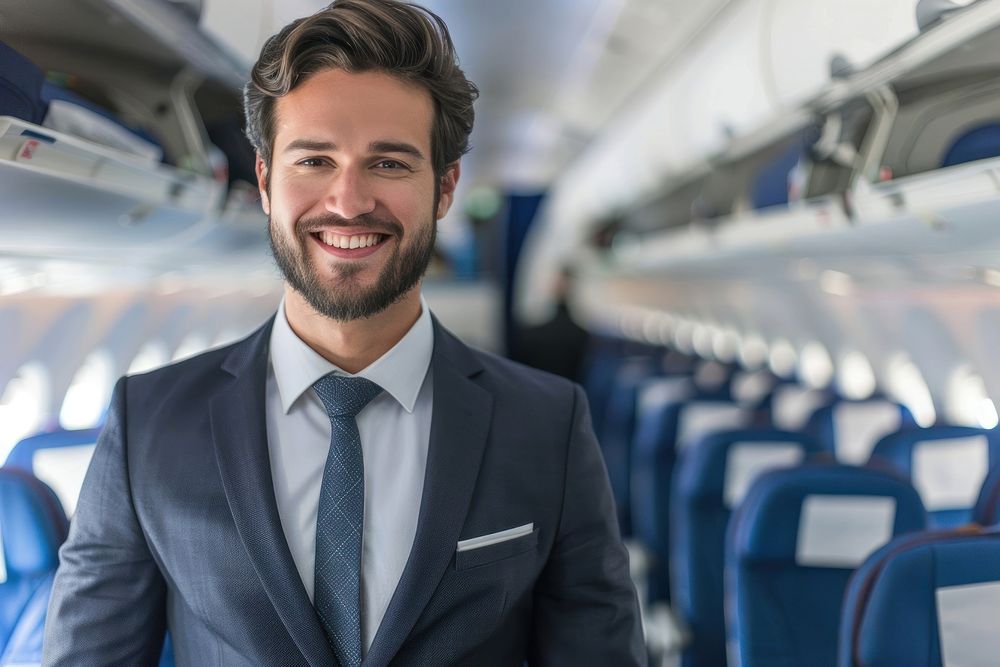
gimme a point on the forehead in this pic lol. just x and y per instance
(344, 107)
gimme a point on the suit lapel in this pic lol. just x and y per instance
(459, 428)
(239, 431)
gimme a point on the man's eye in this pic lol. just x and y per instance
(390, 164)
(311, 162)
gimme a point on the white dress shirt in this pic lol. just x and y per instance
(395, 430)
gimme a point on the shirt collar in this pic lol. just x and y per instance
(400, 371)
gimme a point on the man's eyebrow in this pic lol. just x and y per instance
(310, 145)
(395, 147)
(374, 147)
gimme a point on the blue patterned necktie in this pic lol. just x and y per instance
(340, 519)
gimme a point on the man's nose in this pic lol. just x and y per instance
(350, 194)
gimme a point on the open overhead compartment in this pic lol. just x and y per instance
(137, 143)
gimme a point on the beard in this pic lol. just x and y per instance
(347, 299)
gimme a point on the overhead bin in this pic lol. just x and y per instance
(128, 163)
(906, 160)
(64, 192)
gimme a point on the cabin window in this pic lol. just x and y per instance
(22, 405)
(905, 384)
(683, 335)
(190, 346)
(88, 394)
(815, 366)
(753, 352)
(702, 340)
(967, 402)
(855, 377)
(151, 355)
(782, 358)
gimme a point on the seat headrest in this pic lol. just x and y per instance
(934, 586)
(987, 508)
(723, 465)
(824, 515)
(947, 464)
(977, 143)
(850, 428)
(23, 453)
(32, 524)
(60, 459)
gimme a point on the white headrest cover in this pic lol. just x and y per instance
(967, 624)
(858, 426)
(841, 531)
(793, 405)
(747, 461)
(63, 469)
(751, 386)
(699, 418)
(949, 473)
(657, 392)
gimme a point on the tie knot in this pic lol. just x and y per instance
(345, 396)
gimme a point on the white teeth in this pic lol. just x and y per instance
(349, 242)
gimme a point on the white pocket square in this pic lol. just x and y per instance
(496, 538)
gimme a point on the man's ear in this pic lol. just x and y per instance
(449, 181)
(262, 184)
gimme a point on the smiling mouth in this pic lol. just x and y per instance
(349, 241)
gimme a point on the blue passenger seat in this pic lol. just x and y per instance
(791, 548)
(790, 405)
(849, 429)
(925, 600)
(947, 465)
(60, 459)
(662, 431)
(986, 511)
(32, 527)
(618, 430)
(711, 480)
(978, 143)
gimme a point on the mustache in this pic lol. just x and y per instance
(368, 222)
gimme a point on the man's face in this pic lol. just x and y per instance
(352, 198)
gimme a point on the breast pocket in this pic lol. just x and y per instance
(498, 551)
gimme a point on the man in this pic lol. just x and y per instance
(350, 483)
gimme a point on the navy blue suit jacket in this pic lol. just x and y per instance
(177, 526)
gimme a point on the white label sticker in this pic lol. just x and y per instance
(841, 531)
(967, 624)
(655, 393)
(698, 419)
(949, 473)
(793, 405)
(750, 387)
(748, 461)
(858, 426)
(3, 559)
(63, 468)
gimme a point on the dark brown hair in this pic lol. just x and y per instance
(402, 40)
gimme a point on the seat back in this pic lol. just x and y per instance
(712, 478)
(978, 143)
(771, 184)
(662, 431)
(32, 528)
(791, 548)
(790, 405)
(986, 511)
(947, 465)
(60, 459)
(618, 430)
(849, 429)
(941, 587)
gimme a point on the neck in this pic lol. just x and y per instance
(353, 345)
